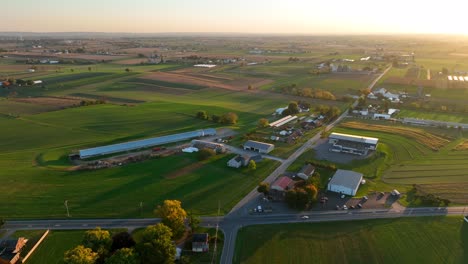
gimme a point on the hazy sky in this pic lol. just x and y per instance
(249, 16)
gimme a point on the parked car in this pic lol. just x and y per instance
(352, 207)
(466, 218)
(343, 196)
(359, 205)
(345, 207)
(337, 207)
(305, 217)
(259, 209)
(365, 198)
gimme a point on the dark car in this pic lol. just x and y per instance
(359, 205)
(337, 207)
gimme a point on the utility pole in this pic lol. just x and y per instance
(66, 206)
(214, 258)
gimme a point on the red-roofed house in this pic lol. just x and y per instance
(279, 187)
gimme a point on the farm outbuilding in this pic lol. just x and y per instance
(144, 143)
(345, 182)
(257, 146)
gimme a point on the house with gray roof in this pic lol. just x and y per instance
(345, 182)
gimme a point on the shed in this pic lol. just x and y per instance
(257, 146)
(345, 182)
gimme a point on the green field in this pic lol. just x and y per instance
(55, 245)
(404, 240)
(438, 116)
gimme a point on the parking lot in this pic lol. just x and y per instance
(322, 153)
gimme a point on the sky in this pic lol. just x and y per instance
(239, 16)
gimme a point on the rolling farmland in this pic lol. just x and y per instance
(404, 240)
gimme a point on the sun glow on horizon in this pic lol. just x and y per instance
(257, 16)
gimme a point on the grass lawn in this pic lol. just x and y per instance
(404, 240)
(53, 248)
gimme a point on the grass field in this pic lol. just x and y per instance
(55, 245)
(40, 193)
(404, 240)
(438, 116)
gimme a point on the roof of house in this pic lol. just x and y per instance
(283, 182)
(354, 138)
(258, 145)
(203, 237)
(9, 248)
(307, 169)
(347, 178)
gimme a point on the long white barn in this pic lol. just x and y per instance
(144, 143)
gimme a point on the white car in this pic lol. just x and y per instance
(305, 217)
(343, 196)
(466, 218)
(345, 207)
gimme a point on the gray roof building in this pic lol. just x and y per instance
(345, 182)
(258, 146)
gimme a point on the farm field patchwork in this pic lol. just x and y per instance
(438, 116)
(403, 240)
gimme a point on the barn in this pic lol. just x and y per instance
(345, 182)
(257, 146)
(144, 143)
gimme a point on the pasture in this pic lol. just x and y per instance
(402, 240)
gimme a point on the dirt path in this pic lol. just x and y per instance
(185, 170)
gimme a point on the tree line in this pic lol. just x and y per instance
(226, 118)
(154, 246)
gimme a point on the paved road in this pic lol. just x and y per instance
(239, 209)
(230, 225)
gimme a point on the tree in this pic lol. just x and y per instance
(311, 191)
(123, 256)
(250, 87)
(302, 198)
(252, 165)
(141, 55)
(99, 241)
(173, 216)
(215, 118)
(89, 68)
(2, 222)
(193, 222)
(206, 153)
(291, 198)
(80, 255)
(202, 115)
(156, 245)
(263, 122)
(264, 187)
(127, 69)
(229, 118)
(293, 108)
(122, 240)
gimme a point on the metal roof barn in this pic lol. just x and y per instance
(354, 138)
(144, 143)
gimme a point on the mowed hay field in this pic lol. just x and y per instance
(404, 240)
(414, 160)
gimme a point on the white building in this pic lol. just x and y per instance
(345, 182)
(352, 144)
